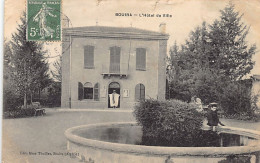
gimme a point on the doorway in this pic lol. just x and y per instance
(111, 87)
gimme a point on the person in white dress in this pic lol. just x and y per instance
(199, 104)
(114, 99)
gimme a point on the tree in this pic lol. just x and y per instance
(10, 97)
(221, 47)
(56, 72)
(215, 56)
(7, 59)
(189, 62)
(28, 67)
(230, 53)
(197, 49)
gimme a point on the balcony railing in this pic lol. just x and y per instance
(114, 68)
(120, 70)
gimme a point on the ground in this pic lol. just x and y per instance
(46, 133)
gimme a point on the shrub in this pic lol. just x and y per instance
(179, 90)
(169, 123)
(237, 100)
(11, 101)
(20, 112)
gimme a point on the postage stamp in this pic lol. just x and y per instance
(43, 20)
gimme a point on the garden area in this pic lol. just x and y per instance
(27, 77)
(214, 65)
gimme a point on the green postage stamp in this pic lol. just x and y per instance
(44, 20)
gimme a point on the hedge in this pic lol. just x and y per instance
(20, 112)
(172, 123)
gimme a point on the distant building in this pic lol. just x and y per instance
(96, 60)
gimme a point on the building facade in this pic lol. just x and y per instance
(98, 60)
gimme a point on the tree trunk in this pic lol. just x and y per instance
(39, 94)
(31, 98)
(25, 101)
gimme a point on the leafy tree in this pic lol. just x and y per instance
(56, 72)
(10, 96)
(197, 49)
(215, 56)
(230, 53)
(188, 61)
(7, 59)
(54, 94)
(28, 67)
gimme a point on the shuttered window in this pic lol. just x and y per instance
(88, 91)
(80, 91)
(115, 59)
(140, 59)
(88, 56)
(139, 92)
(96, 92)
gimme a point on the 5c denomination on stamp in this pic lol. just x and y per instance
(43, 20)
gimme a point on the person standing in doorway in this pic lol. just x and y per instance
(114, 99)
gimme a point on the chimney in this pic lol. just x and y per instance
(162, 28)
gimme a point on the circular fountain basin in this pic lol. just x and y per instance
(118, 142)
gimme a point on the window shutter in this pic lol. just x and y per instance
(137, 92)
(115, 59)
(140, 59)
(89, 56)
(112, 59)
(80, 91)
(96, 92)
(142, 92)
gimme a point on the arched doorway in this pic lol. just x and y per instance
(111, 87)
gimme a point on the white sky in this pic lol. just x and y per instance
(186, 15)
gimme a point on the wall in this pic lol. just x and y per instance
(103, 151)
(153, 78)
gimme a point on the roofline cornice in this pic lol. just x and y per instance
(121, 35)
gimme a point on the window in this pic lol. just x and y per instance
(88, 91)
(80, 91)
(96, 92)
(139, 92)
(88, 56)
(115, 59)
(140, 59)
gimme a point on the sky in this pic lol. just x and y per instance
(186, 16)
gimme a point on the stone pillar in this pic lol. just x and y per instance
(162, 69)
(65, 92)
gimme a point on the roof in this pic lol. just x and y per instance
(115, 32)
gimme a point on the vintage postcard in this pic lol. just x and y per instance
(120, 81)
